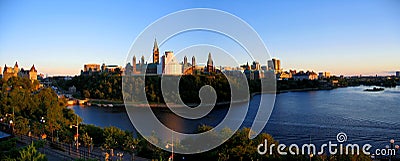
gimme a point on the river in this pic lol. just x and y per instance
(298, 117)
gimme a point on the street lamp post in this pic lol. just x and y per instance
(133, 152)
(394, 147)
(172, 147)
(77, 133)
(120, 155)
(12, 127)
(43, 121)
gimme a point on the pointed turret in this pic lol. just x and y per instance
(16, 64)
(185, 60)
(142, 59)
(33, 69)
(193, 61)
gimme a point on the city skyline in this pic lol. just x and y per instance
(349, 38)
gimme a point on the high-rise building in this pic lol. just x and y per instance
(156, 53)
(270, 65)
(277, 64)
(398, 74)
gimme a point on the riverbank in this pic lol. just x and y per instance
(118, 103)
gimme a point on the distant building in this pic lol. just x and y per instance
(322, 75)
(72, 89)
(270, 65)
(94, 69)
(305, 76)
(169, 65)
(276, 64)
(91, 68)
(190, 69)
(111, 68)
(253, 74)
(9, 72)
(255, 66)
(284, 75)
(398, 74)
(30, 74)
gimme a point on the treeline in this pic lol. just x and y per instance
(371, 81)
(109, 86)
(98, 86)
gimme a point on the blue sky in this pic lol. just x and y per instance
(350, 38)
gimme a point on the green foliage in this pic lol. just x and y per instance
(28, 153)
(21, 125)
(98, 86)
(31, 154)
(29, 104)
(114, 137)
(95, 132)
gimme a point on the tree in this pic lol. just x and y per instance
(21, 125)
(86, 93)
(87, 141)
(114, 137)
(31, 154)
(130, 144)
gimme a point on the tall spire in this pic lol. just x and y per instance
(155, 44)
(16, 64)
(156, 53)
(210, 61)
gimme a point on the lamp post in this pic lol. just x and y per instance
(394, 147)
(77, 133)
(133, 152)
(90, 145)
(120, 155)
(172, 147)
(12, 127)
(1, 121)
(43, 121)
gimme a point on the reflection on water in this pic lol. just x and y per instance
(366, 117)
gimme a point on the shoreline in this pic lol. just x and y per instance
(105, 103)
(113, 103)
